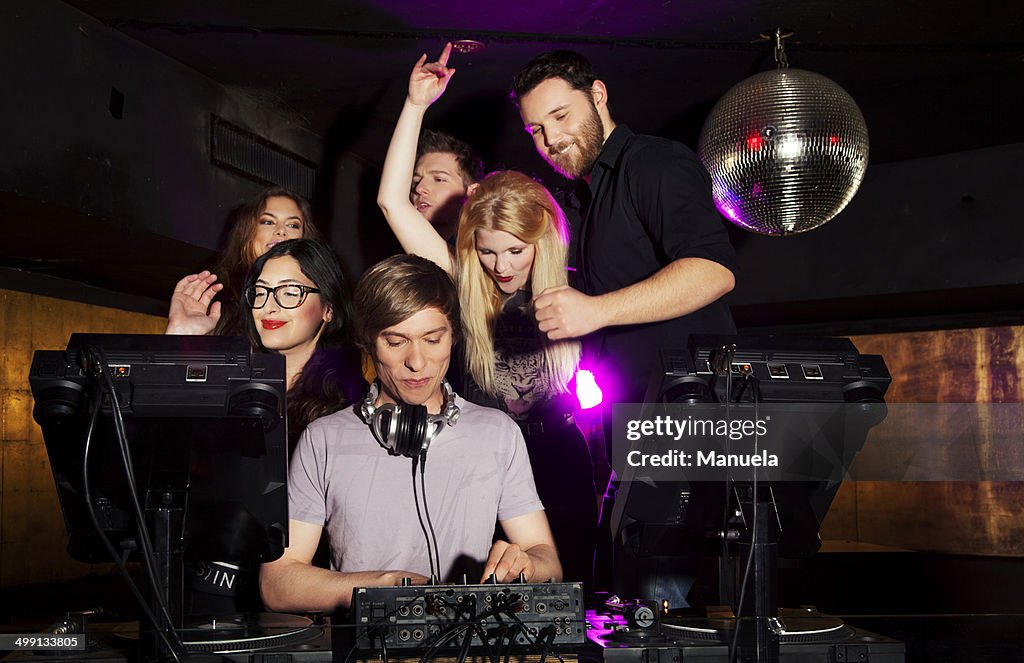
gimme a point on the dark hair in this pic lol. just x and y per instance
(396, 289)
(238, 256)
(570, 66)
(328, 381)
(470, 163)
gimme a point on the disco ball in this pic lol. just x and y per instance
(786, 150)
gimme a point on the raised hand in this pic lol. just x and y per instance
(429, 79)
(193, 310)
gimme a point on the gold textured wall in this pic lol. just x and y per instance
(33, 540)
(972, 365)
(984, 365)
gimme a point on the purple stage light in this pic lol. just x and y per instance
(587, 390)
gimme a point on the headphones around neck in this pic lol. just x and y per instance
(404, 429)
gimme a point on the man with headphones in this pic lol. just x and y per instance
(410, 483)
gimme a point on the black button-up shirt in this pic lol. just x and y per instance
(648, 204)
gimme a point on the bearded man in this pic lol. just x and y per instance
(651, 255)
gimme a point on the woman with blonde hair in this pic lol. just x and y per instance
(511, 241)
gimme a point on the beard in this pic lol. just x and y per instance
(580, 153)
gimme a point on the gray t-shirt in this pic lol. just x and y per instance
(477, 472)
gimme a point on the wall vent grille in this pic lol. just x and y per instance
(256, 158)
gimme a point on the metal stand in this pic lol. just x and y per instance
(165, 518)
(759, 627)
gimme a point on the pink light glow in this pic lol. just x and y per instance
(587, 391)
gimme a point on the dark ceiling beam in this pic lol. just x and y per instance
(756, 44)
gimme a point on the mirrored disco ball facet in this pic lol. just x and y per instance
(786, 150)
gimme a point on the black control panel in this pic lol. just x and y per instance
(449, 617)
(787, 369)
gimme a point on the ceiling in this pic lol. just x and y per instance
(931, 77)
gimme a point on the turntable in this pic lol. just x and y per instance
(229, 639)
(642, 631)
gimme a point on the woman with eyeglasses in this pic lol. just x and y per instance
(298, 304)
(295, 301)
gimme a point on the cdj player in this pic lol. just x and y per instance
(632, 631)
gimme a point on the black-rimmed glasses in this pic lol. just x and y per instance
(287, 295)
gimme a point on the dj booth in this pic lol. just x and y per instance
(158, 442)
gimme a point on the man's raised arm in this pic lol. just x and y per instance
(427, 83)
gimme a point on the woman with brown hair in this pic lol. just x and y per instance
(274, 216)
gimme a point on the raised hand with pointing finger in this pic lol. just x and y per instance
(428, 80)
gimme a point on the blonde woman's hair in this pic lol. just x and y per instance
(514, 203)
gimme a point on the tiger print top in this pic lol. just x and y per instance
(523, 391)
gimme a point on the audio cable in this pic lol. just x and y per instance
(419, 516)
(426, 511)
(733, 652)
(94, 361)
